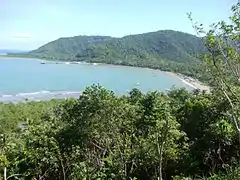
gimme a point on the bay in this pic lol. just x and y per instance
(27, 78)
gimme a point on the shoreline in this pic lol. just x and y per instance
(38, 96)
(191, 82)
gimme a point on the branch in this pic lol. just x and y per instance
(41, 177)
(234, 114)
(221, 76)
(14, 175)
(94, 144)
(228, 62)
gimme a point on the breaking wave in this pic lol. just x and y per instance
(39, 96)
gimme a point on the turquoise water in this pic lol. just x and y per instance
(29, 78)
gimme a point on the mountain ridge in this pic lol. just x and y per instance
(76, 46)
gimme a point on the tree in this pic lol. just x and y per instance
(3, 160)
(161, 131)
(223, 59)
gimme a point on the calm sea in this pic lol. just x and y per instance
(29, 79)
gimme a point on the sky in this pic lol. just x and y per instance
(28, 24)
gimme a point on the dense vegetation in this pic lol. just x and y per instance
(166, 50)
(142, 49)
(104, 136)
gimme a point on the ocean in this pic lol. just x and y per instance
(22, 79)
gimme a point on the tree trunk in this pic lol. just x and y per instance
(160, 146)
(160, 165)
(160, 153)
(63, 169)
(5, 173)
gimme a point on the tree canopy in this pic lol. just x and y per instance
(105, 136)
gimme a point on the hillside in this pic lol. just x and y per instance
(146, 48)
(66, 48)
(160, 45)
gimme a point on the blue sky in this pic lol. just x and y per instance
(28, 24)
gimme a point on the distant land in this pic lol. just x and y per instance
(7, 51)
(166, 50)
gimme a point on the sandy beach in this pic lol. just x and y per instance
(194, 83)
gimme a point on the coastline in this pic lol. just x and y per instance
(39, 96)
(191, 82)
(12, 57)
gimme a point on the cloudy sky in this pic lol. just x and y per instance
(28, 24)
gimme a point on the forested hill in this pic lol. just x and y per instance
(67, 48)
(154, 46)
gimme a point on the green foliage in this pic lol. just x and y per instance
(104, 136)
(222, 59)
(138, 49)
(13, 116)
(231, 174)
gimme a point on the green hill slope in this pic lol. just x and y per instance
(144, 49)
(65, 48)
(161, 45)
